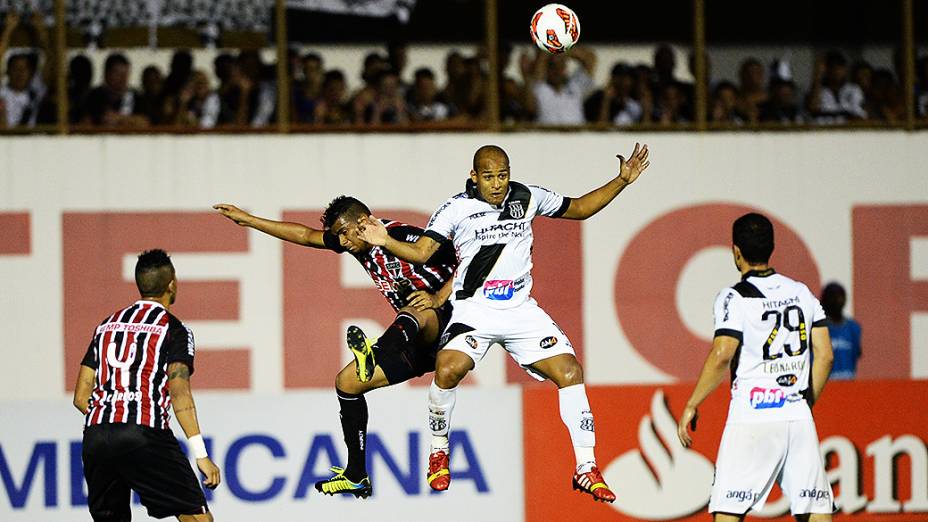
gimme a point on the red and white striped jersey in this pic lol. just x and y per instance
(396, 278)
(130, 353)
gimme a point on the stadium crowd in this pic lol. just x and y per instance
(241, 90)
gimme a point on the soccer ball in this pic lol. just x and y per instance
(555, 28)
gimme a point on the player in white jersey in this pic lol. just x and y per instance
(766, 327)
(490, 225)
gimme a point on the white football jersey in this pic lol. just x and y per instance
(773, 316)
(494, 244)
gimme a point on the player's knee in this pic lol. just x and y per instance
(570, 373)
(451, 368)
(348, 382)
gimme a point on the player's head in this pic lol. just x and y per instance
(341, 218)
(833, 299)
(752, 240)
(490, 174)
(154, 275)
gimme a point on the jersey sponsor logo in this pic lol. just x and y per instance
(412, 238)
(817, 495)
(132, 328)
(191, 349)
(548, 342)
(787, 380)
(766, 398)
(501, 230)
(743, 495)
(516, 210)
(499, 289)
(478, 215)
(725, 306)
(778, 303)
(471, 342)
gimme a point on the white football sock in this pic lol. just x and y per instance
(441, 404)
(576, 414)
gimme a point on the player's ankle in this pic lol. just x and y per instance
(586, 467)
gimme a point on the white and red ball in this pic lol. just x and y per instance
(555, 28)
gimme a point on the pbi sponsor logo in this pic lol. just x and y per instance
(787, 380)
(766, 398)
(817, 495)
(548, 342)
(743, 495)
(499, 289)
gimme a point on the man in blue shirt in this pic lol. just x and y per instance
(844, 332)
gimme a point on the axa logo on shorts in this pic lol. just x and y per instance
(499, 289)
(744, 495)
(764, 398)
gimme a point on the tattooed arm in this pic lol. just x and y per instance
(186, 412)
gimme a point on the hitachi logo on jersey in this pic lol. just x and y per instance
(776, 304)
(509, 226)
(499, 289)
(764, 398)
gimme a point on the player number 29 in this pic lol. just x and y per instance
(794, 323)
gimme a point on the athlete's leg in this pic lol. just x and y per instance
(205, 517)
(814, 517)
(726, 517)
(565, 371)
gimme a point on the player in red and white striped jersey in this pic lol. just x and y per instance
(417, 291)
(139, 361)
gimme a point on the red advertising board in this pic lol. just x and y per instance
(873, 434)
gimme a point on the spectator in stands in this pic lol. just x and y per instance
(752, 89)
(332, 109)
(725, 104)
(151, 99)
(862, 75)
(374, 64)
(262, 101)
(921, 88)
(513, 106)
(234, 91)
(463, 92)
(306, 92)
(834, 99)
(397, 60)
(559, 96)
(671, 106)
(844, 332)
(781, 106)
(665, 63)
(388, 106)
(199, 104)
(25, 88)
(642, 93)
(885, 101)
(113, 104)
(80, 77)
(614, 103)
(423, 98)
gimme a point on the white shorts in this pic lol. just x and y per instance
(754, 455)
(525, 331)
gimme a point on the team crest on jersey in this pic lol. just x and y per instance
(394, 268)
(516, 210)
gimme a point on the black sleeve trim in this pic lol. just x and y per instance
(728, 332)
(820, 323)
(563, 208)
(435, 235)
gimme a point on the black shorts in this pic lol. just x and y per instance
(400, 365)
(123, 457)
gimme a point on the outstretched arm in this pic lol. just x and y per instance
(592, 202)
(373, 231)
(186, 412)
(713, 371)
(292, 232)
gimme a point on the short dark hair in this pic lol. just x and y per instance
(753, 235)
(346, 206)
(153, 272)
(113, 60)
(486, 150)
(424, 73)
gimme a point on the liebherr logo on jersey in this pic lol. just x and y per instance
(516, 210)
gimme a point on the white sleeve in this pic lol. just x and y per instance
(818, 313)
(729, 317)
(548, 203)
(441, 224)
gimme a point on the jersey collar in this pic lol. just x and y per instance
(758, 273)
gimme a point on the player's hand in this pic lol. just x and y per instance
(422, 301)
(234, 213)
(371, 229)
(687, 421)
(210, 472)
(631, 168)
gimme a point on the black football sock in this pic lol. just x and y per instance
(353, 414)
(404, 330)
